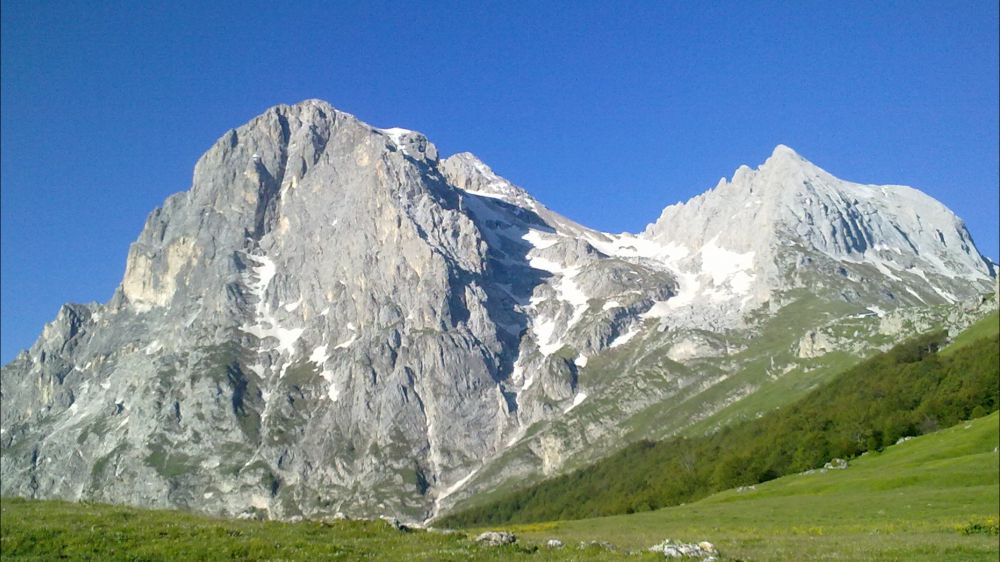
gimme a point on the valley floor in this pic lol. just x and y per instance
(931, 498)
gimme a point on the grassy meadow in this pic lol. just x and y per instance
(933, 497)
(54, 530)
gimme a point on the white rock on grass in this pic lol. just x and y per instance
(836, 464)
(704, 550)
(496, 538)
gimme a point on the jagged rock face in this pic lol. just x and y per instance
(319, 319)
(750, 233)
(333, 319)
(309, 316)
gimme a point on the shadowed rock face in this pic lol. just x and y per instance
(333, 319)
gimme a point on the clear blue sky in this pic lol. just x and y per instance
(606, 112)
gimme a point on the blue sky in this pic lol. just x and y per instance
(606, 112)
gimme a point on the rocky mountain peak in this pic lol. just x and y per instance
(784, 170)
(334, 319)
(470, 174)
(411, 143)
(784, 151)
(789, 206)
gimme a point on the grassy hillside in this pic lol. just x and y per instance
(931, 498)
(908, 391)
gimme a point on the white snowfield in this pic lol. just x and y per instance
(266, 325)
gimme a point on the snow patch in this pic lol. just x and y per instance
(577, 400)
(944, 294)
(567, 291)
(914, 293)
(453, 488)
(627, 245)
(319, 355)
(625, 338)
(528, 381)
(397, 134)
(265, 270)
(884, 270)
(332, 392)
(660, 309)
(543, 330)
(266, 326)
(878, 311)
(538, 239)
(723, 265)
(741, 282)
(548, 265)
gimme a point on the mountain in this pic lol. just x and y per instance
(790, 207)
(333, 318)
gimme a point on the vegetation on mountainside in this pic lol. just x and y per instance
(934, 498)
(910, 390)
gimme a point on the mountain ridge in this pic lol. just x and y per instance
(333, 318)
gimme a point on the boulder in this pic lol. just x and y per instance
(496, 538)
(603, 545)
(836, 464)
(703, 550)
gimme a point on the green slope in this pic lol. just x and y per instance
(908, 391)
(934, 497)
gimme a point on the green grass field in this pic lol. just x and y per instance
(934, 497)
(53, 530)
